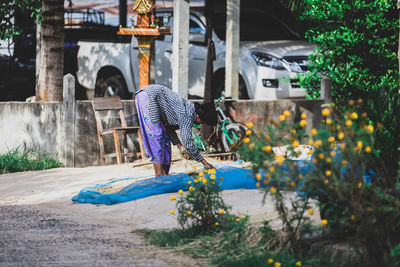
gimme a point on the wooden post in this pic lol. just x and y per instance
(180, 48)
(232, 48)
(326, 90)
(69, 120)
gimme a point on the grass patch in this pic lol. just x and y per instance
(226, 249)
(18, 160)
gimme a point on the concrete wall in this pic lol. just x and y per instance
(42, 126)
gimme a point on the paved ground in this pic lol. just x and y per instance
(41, 226)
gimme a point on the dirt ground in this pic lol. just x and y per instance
(41, 226)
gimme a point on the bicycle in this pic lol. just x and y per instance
(228, 133)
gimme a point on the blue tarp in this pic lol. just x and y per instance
(234, 178)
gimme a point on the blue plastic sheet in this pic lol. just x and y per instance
(234, 178)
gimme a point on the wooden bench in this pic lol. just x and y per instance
(101, 104)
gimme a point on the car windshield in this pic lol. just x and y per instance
(255, 26)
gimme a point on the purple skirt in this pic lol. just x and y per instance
(155, 139)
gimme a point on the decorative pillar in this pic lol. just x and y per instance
(145, 31)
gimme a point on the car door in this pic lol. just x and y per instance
(163, 53)
(197, 57)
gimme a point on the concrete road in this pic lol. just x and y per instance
(41, 226)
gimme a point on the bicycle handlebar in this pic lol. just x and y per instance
(221, 99)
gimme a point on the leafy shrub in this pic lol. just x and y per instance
(202, 207)
(18, 160)
(340, 177)
(357, 43)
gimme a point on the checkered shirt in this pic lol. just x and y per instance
(175, 113)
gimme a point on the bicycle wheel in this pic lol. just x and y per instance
(232, 136)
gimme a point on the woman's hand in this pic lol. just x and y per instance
(207, 165)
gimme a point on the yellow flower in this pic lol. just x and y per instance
(333, 154)
(351, 102)
(328, 173)
(173, 198)
(267, 148)
(293, 131)
(303, 116)
(271, 169)
(310, 142)
(344, 163)
(189, 182)
(201, 174)
(172, 212)
(370, 128)
(242, 216)
(359, 185)
(348, 123)
(329, 160)
(246, 140)
(310, 211)
(354, 116)
(258, 176)
(314, 131)
(270, 261)
(359, 101)
(248, 132)
(328, 121)
(318, 143)
(293, 184)
(272, 190)
(298, 263)
(180, 192)
(286, 113)
(221, 211)
(189, 212)
(213, 171)
(314, 160)
(325, 112)
(282, 117)
(251, 146)
(196, 180)
(368, 149)
(216, 223)
(221, 179)
(321, 156)
(331, 139)
(279, 159)
(191, 188)
(258, 184)
(212, 176)
(267, 137)
(343, 146)
(352, 217)
(277, 264)
(303, 123)
(250, 125)
(340, 135)
(194, 167)
(296, 144)
(359, 145)
(205, 181)
(324, 222)
(237, 219)
(326, 181)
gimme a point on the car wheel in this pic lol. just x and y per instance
(114, 86)
(220, 86)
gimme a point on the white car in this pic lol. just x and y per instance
(271, 56)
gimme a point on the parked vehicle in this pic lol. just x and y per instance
(270, 57)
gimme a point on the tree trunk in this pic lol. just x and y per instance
(49, 86)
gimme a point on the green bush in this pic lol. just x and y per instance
(357, 43)
(344, 152)
(18, 160)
